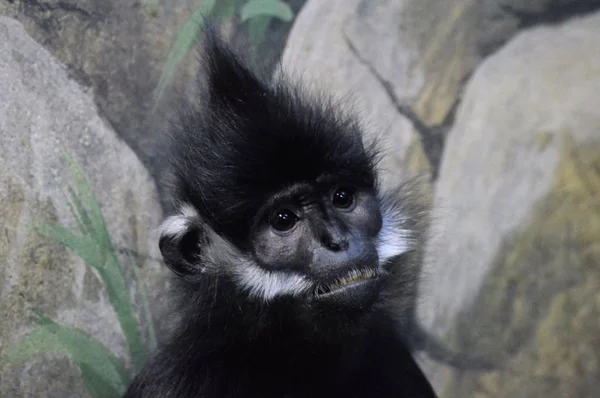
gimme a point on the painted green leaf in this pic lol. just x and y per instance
(84, 246)
(257, 28)
(90, 215)
(101, 370)
(95, 247)
(225, 9)
(97, 384)
(188, 37)
(270, 8)
(79, 213)
(145, 306)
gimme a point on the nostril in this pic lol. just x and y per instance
(337, 245)
(333, 246)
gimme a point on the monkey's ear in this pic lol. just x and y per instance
(230, 82)
(181, 242)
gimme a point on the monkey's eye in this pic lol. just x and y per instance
(283, 220)
(343, 198)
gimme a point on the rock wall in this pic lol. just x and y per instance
(514, 258)
(494, 100)
(44, 114)
(118, 49)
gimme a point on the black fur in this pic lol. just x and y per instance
(252, 137)
(245, 142)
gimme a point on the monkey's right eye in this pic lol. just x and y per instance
(283, 220)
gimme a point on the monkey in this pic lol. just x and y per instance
(291, 263)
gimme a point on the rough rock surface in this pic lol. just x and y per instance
(328, 46)
(514, 260)
(454, 36)
(118, 49)
(43, 114)
(423, 49)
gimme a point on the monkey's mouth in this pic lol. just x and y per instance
(353, 278)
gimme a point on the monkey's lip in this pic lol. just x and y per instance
(351, 279)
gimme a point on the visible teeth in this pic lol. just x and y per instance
(352, 277)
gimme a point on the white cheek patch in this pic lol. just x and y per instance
(266, 285)
(393, 240)
(176, 226)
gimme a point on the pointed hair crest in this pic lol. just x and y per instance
(252, 138)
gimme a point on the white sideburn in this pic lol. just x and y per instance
(264, 284)
(393, 240)
(176, 226)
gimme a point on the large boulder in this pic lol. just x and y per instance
(420, 50)
(118, 50)
(515, 251)
(454, 36)
(44, 114)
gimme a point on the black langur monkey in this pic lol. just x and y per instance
(291, 263)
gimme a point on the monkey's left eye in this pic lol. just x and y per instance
(283, 220)
(343, 198)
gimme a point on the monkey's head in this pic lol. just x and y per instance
(278, 192)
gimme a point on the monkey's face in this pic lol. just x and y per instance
(327, 234)
(327, 242)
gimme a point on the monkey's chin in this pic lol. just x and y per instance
(360, 294)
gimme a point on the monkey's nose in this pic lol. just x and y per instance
(335, 243)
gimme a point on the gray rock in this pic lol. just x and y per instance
(43, 114)
(454, 36)
(423, 49)
(513, 260)
(118, 49)
(331, 46)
